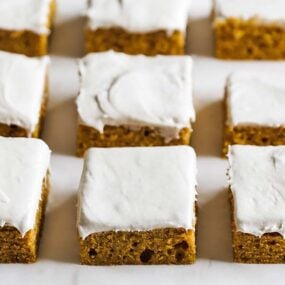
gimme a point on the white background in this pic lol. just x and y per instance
(59, 252)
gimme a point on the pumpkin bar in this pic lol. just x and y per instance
(137, 206)
(24, 187)
(152, 27)
(23, 94)
(254, 111)
(257, 198)
(25, 26)
(252, 29)
(127, 100)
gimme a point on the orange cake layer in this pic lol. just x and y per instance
(249, 39)
(151, 43)
(162, 246)
(122, 136)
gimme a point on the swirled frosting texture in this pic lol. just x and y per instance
(24, 164)
(20, 15)
(142, 16)
(22, 84)
(257, 183)
(253, 100)
(136, 91)
(137, 189)
(267, 10)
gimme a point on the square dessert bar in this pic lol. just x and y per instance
(137, 206)
(23, 94)
(25, 26)
(130, 100)
(254, 111)
(24, 187)
(257, 198)
(252, 29)
(152, 27)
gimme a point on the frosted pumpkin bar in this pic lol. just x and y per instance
(252, 29)
(24, 187)
(137, 206)
(152, 27)
(25, 26)
(257, 191)
(23, 94)
(254, 111)
(127, 100)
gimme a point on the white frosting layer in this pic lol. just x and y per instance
(24, 164)
(136, 91)
(254, 101)
(22, 84)
(258, 185)
(31, 15)
(137, 189)
(268, 10)
(145, 16)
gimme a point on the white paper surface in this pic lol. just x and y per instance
(59, 252)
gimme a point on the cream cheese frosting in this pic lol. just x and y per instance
(24, 164)
(252, 100)
(145, 16)
(30, 15)
(257, 182)
(136, 91)
(268, 10)
(137, 189)
(22, 85)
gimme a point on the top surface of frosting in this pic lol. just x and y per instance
(23, 163)
(139, 16)
(140, 189)
(22, 84)
(269, 10)
(258, 185)
(118, 89)
(253, 100)
(19, 15)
